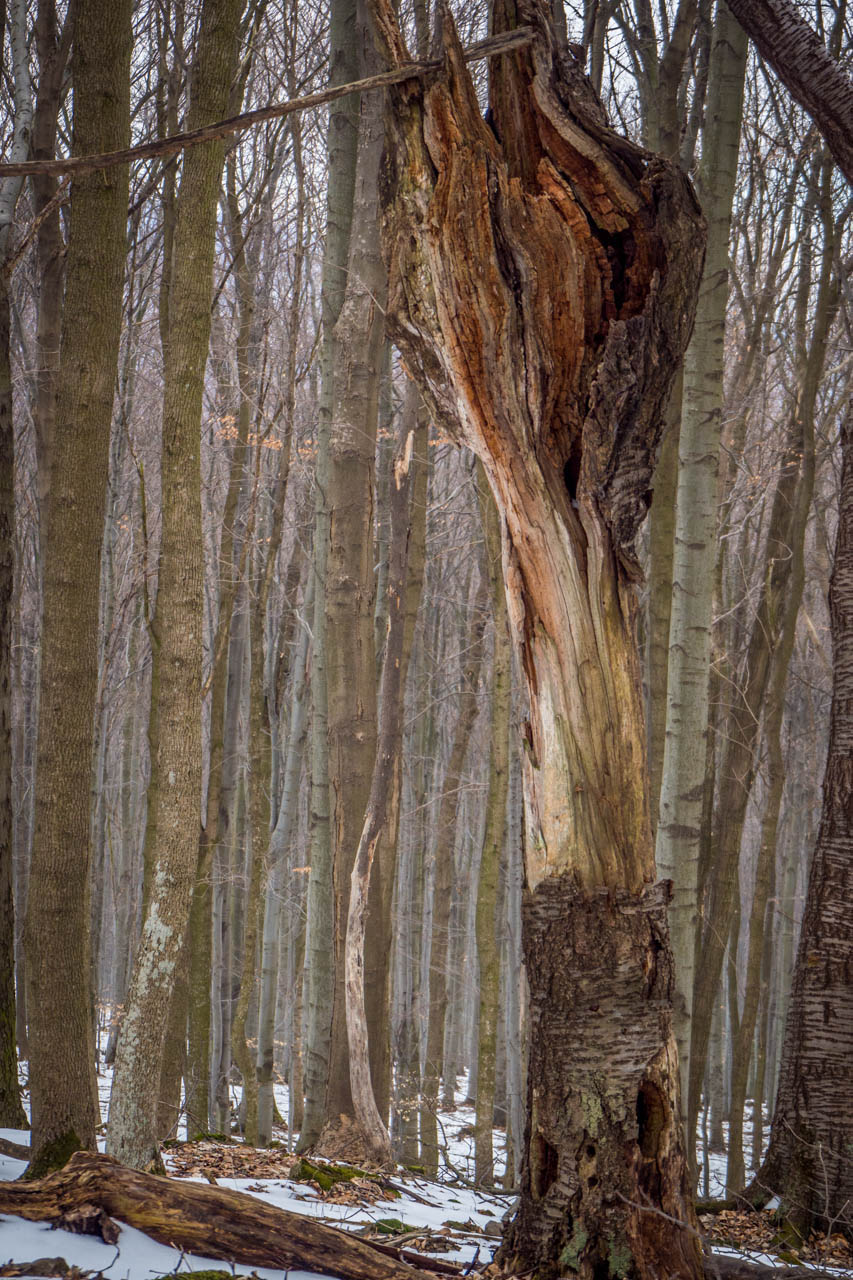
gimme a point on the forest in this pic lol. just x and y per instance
(426, 638)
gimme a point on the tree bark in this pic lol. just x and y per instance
(320, 970)
(543, 282)
(813, 77)
(486, 923)
(808, 1162)
(471, 644)
(351, 664)
(377, 1140)
(176, 772)
(57, 926)
(682, 793)
(12, 1114)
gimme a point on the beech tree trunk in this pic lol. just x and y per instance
(176, 770)
(486, 923)
(63, 1092)
(12, 1113)
(808, 1162)
(471, 644)
(350, 661)
(683, 778)
(543, 283)
(375, 1135)
(342, 146)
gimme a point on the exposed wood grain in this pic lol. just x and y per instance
(199, 1219)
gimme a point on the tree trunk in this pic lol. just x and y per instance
(810, 71)
(279, 844)
(471, 644)
(788, 514)
(377, 1140)
(487, 927)
(808, 1163)
(176, 772)
(320, 967)
(57, 927)
(543, 282)
(351, 666)
(682, 792)
(12, 1114)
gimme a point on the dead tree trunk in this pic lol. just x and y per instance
(543, 282)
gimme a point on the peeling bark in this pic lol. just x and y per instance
(542, 289)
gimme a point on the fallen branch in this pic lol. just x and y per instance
(488, 48)
(202, 1219)
(17, 1150)
(726, 1268)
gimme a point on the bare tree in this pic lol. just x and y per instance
(57, 924)
(809, 70)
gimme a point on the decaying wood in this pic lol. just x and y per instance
(210, 1221)
(543, 278)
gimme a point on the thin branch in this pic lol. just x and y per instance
(489, 48)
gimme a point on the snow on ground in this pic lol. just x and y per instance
(135, 1256)
(472, 1216)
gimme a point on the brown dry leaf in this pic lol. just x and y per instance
(757, 1232)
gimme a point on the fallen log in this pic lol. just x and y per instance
(723, 1267)
(207, 1220)
(239, 1228)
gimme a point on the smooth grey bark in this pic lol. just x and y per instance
(376, 1137)
(279, 842)
(319, 958)
(679, 828)
(12, 1114)
(176, 771)
(350, 663)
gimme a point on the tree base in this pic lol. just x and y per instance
(344, 1139)
(604, 1181)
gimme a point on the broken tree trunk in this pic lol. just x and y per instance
(543, 282)
(210, 1221)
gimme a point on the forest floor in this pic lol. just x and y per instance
(447, 1219)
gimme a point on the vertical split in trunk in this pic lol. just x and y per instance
(543, 282)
